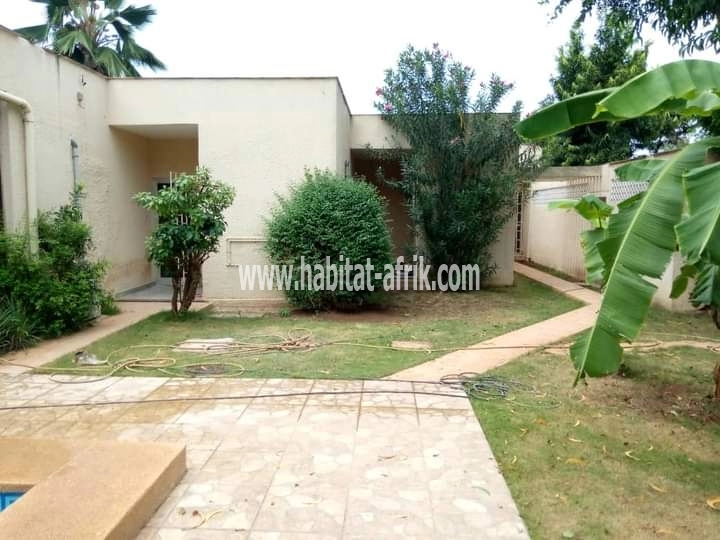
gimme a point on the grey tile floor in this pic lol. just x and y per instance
(371, 464)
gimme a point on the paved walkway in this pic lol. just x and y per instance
(502, 349)
(378, 462)
(362, 465)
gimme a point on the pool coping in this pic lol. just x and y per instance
(85, 489)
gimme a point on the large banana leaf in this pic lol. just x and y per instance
(615, 232)
(647, 241)
(707, 286)
(640, 170)
(594, 264)
(589, 207)
(564, 115)
(698, 234)
(682, 86)
(686, 87)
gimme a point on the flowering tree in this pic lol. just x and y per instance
(464, 169)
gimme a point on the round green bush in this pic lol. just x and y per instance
(323, 217)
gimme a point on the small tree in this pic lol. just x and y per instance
(463, 171)
(191, 222)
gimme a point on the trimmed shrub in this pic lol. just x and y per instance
(58, 289)
(323, 218)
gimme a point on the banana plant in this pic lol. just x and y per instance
(596, 212)
(680, 211)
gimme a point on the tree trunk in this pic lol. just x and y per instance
(717, 381)
(192, 281)
(176, 283)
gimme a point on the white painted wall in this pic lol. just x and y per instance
(369, 130)
(256, 134)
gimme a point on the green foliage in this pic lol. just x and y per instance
(597, 212)
(98, 34)
(463, 171)
(589, 207)
(678, 212)
(108, 305)
(58, 289)
(612, 60)
(17, 330)
(328, 217)
(679, 21)
(191, 222)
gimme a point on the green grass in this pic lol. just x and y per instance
(565, 454)
(446, 320)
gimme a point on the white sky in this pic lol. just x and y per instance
(356, 41)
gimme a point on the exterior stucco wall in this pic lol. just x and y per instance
(69, 102)
(172, 156)
(116, 218)
(256, 134)
(342, 139)
(503, 256)
(51, 85)
(371, 130)
(12, 166)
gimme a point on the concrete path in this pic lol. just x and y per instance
(506, 347)
(48, 350)
(379, 462)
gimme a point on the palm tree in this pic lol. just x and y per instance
(96, 34)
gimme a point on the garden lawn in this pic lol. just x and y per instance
(445, 320)
(631, 456)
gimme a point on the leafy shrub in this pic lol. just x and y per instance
(328, 216)
(108, 305)
(17, 330)
(58, 288)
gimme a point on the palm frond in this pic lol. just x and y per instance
(112, 64)
(36, 34)
(66, 41)
(133, 53)
(138, 16)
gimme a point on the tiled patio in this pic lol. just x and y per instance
(359, 465)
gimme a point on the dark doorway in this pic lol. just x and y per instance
(367, 165)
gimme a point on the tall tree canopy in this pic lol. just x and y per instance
(690, 24)
(98, 34)
(613, 59)
(463, 172)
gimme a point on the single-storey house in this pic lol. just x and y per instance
(61, 123)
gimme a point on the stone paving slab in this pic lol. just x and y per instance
(369, 464)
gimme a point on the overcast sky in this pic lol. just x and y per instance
(356, 41)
